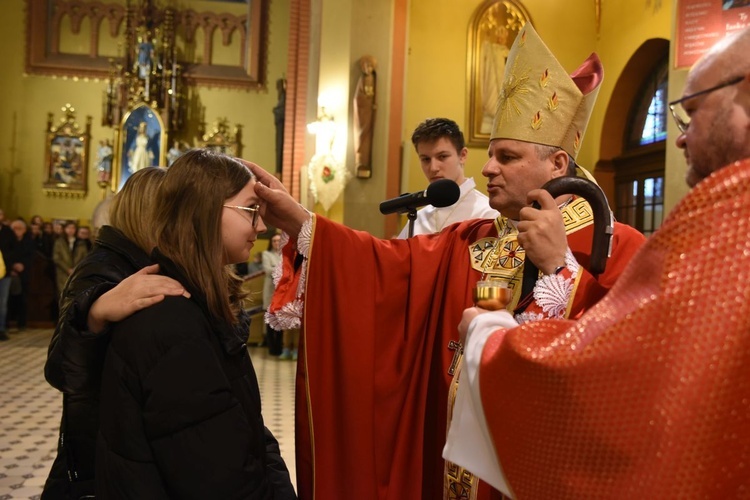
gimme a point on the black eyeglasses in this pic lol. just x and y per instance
(253, 209)
(681, 118)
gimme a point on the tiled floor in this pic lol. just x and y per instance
(30, 411)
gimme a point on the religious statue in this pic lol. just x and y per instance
(279, 112)
(364, 116)
(174, 152)
(493, 54)
(140, 156)
(104, 163)
(145, 57)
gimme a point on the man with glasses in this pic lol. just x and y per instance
(647, 395)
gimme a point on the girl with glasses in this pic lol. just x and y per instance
(180, 405)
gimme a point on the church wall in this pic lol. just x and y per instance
(25, 101)
(370, 35)
(437, 58)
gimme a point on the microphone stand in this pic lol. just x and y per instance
(412, 216)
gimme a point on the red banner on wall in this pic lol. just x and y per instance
(702, 23)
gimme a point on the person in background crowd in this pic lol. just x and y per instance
(256, 266)
(20, 259)
(7, 244)
(270, 259)
(42, 243)
(57, 230)
(83, 234)
(67, 252)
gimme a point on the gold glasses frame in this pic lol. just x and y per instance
(255, 210)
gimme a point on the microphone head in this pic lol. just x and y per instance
(443, 193)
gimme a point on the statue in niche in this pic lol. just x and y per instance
(145, 57)
(174, 152)
(494, 52)
(279, 112)
(141, 157)
(364, 116)
(104, 156)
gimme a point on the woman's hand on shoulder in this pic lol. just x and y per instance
(138, 291)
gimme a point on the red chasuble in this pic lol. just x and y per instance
(648, 394)
(373, 376)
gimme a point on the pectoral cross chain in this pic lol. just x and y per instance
(457, 349)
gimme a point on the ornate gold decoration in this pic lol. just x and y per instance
(222, 138)
(492, 29)
(242, 22)
(66, 155)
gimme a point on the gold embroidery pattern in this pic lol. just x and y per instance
(536, 121)
(511, 255)
(515, 88)
(577, 215)
(544, 78)
(553, 102)
(458, 483)
(500, 258)
(577, 141)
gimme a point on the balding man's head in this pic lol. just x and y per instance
(716, 105)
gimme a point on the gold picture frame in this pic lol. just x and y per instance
(492, 30)
(141, 141)
(66, 155)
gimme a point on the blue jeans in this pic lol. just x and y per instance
(4, 292)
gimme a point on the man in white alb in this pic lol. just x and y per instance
(442, 153)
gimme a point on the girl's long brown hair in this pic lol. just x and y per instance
(132, 209)
(188, 224)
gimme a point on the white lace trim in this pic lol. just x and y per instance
(284, 240)
(304, 237)
(277, 272)
(290, 314)
(571, 263)
(286, 318)
(525, 317)
(552, 292)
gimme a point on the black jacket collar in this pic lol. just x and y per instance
(233, 338)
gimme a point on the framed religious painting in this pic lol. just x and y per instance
(140, 142)
(492, 30)
(66, 155)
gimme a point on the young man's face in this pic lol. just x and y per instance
(440, 160)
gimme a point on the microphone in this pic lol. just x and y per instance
(441, 193)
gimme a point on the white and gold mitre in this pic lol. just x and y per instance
(539, 101)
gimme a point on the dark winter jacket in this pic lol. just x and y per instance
(180, 408)
(75, 359)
